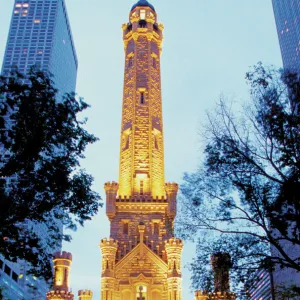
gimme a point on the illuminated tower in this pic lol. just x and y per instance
(62, 264)
(141, 259)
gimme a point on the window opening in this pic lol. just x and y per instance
(143, 23)
(155, 142)
(142, 14)
(126, 141)
(142, 97)
(125, 228)
(156, 228)
(130, 62)
(154, 62)
(141, 187)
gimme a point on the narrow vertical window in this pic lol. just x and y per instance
(155, 142)
(142, 97)
(141, 187)
(156, 228)
(126, 141)
(154, 62)
(125, 228)
(142, 14)
(130, 62)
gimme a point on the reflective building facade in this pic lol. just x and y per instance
(287, 17)
(39, 35)
(260, 286)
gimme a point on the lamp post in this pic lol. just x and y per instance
(141, 294)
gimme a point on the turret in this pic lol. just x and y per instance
(174, 251)
(108, 249)
(85, 295)
(142, 147)
(172, 189)
(111, 190)
(62, 264)
(221, 264)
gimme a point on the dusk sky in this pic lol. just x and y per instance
(209, 46)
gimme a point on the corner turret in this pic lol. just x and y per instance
(109, 250)
(172, 190)
(111, 190)
(174, 251)
(62, 263)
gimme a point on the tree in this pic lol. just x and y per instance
(244, 198)
(42, 186)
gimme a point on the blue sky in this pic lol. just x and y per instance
(208, 47)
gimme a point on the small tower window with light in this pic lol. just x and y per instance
(142, 14)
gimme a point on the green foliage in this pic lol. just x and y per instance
(245, 195)
(42, 185)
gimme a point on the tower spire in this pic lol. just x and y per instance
(141, 260)
(142, 147)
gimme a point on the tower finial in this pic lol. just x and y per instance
(143, 3)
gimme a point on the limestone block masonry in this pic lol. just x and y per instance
(141, 259)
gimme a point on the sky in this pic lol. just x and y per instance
(209, 46)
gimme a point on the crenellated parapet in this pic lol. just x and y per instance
(222, 296)
(201, 295)
(172, 190)
(111, 190)
(85, 295)
(57, 295)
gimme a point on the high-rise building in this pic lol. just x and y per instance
(259, 286)
(287, 17)
(142, 258)
(39, 34)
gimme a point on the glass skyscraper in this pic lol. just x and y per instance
(39, 34)
(287, 17)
